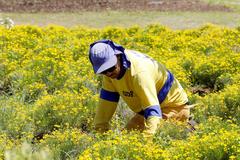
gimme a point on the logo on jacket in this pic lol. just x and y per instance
(128, 93)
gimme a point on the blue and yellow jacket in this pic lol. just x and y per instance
(146, 87)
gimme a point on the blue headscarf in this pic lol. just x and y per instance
(114, 46)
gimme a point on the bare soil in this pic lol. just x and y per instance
(98, 5)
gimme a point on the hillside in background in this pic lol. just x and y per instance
(97, 5)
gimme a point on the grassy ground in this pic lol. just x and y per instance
(174, 20)
(234, 4)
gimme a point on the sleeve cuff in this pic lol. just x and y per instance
(153, 111)
(109, 96)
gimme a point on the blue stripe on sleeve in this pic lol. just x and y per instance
(109, 96)
(162, 94)
(153, 111)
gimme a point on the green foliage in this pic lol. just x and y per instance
(67, 143)
(26, 152)
(48, 93)
(61, 110)
(225, 104)
(15, 118)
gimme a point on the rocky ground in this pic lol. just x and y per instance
(97, 5)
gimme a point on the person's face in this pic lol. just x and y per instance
(114, 71)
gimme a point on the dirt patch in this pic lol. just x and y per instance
(201, 91)
(97, 5)
(185, 5)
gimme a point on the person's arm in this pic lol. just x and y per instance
(152, 115)
(146, 90)
(106, 107)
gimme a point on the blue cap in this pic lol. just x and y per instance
(102, 57)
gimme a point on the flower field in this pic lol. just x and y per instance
(48, 94)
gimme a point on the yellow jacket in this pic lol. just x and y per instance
(139, 88)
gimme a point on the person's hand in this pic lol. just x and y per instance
(151, 125)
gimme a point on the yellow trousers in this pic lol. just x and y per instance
(180, 113)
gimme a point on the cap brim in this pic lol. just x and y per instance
(110, 63)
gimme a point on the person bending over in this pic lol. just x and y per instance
(147, 86)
